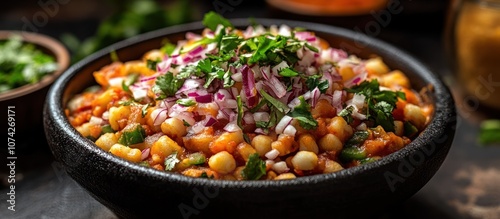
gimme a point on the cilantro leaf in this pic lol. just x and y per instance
(314, 81)
(255, 168)
(302, 113)
(288, 72)
(166, 85)
(171, 161)
(274, 102)
(151, 64)
(380, 104)
(212, 19)
(347, 114)
(186, 102)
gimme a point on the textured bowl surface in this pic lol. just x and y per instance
(29, 100)
(133, 191)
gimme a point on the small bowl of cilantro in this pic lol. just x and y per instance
(29, 64)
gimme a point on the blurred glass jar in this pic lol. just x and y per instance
(473, 43)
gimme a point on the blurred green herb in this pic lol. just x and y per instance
(489, 132)
(130, 18)
(22, 63)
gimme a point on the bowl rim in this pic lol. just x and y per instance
(60, 54)
(444, 110)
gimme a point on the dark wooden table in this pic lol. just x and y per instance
(466, 185)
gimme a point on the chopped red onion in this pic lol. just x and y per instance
(139, 92)
(196, 128)
(249, 86)
(358, 100)
(362, 127)
(315, 93)
(337, 100)
(285, 121)
(295, 102)
(261, 116)
(145, 153)
(290, 130)
(261, 131)
(276, 86)
(232, 127)
(189, 85)
(210, 121)
(248, 118)
(116, 82)
(207, 98)
(280, 167)
(159, 115)
(272, 154)
(269, 163)
(266, 72)
(96, 120)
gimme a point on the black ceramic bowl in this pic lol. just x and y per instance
(133, 191)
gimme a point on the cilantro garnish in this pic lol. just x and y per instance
(166, 85)
(489, 132)
(274, 102)
(186, 102)
(314, 81)
(131, 79)
(302, 113)
(151, 64)
(205, 175)
(288, 72)
(347, 114)
(171, 161)
(132, 134)
(380, 103)
(211, 20)
(254, 168)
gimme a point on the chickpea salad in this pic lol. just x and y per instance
(249, 104)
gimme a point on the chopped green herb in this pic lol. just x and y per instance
(255, 168)
(346, 113)
(274, 102)
(186, 102)
(22, 63)
(170, 161)
(144, 110)
(314, 81)
(114, 56)
(166, 85)
(380, 103)
(185, 123)
(131, 79)
(302, 113)
(211, 20)
(168, 48)
(288, 72)
(151, 64)
(489, 132)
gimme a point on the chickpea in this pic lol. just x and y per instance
(330, 142)
(308, 143)
(244, 150)
(332, 166)
(393, 78)
(285, 176)
(305, 160)
(222, 162)
(130, 154)
(284, 144)
(339, 127)
(227, 141)
(376, 66)
(164, 147)
(106, 141)
(262, 144)
(173, 128)
(118, 117)
(414, 115)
